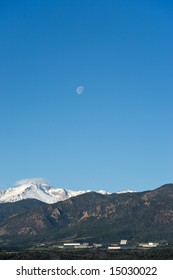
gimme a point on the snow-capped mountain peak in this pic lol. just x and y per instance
(37, 188)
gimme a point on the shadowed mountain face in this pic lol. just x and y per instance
(91, 217)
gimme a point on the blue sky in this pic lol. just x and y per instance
(118, 133)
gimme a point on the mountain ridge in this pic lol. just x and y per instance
(41, 191)
(142, 216)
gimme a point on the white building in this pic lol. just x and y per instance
(114, 247)
(71, 245)
(148, 245)
(123, 242)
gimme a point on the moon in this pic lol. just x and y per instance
(80, 90)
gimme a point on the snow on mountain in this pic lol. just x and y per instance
(38, 189)
(127, 191)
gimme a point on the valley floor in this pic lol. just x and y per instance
(151, 254)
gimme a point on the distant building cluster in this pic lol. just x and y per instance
(122, 244)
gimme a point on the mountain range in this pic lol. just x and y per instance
(39, 190)
(90, 217)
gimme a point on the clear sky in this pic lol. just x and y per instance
(118, 132)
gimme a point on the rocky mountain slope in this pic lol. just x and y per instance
(140, 216)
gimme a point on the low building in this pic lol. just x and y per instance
(71, 245)
(84, 246)
(148, 245)
(97, 245)
(123, 242)
(114, 247)
(60, 247)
